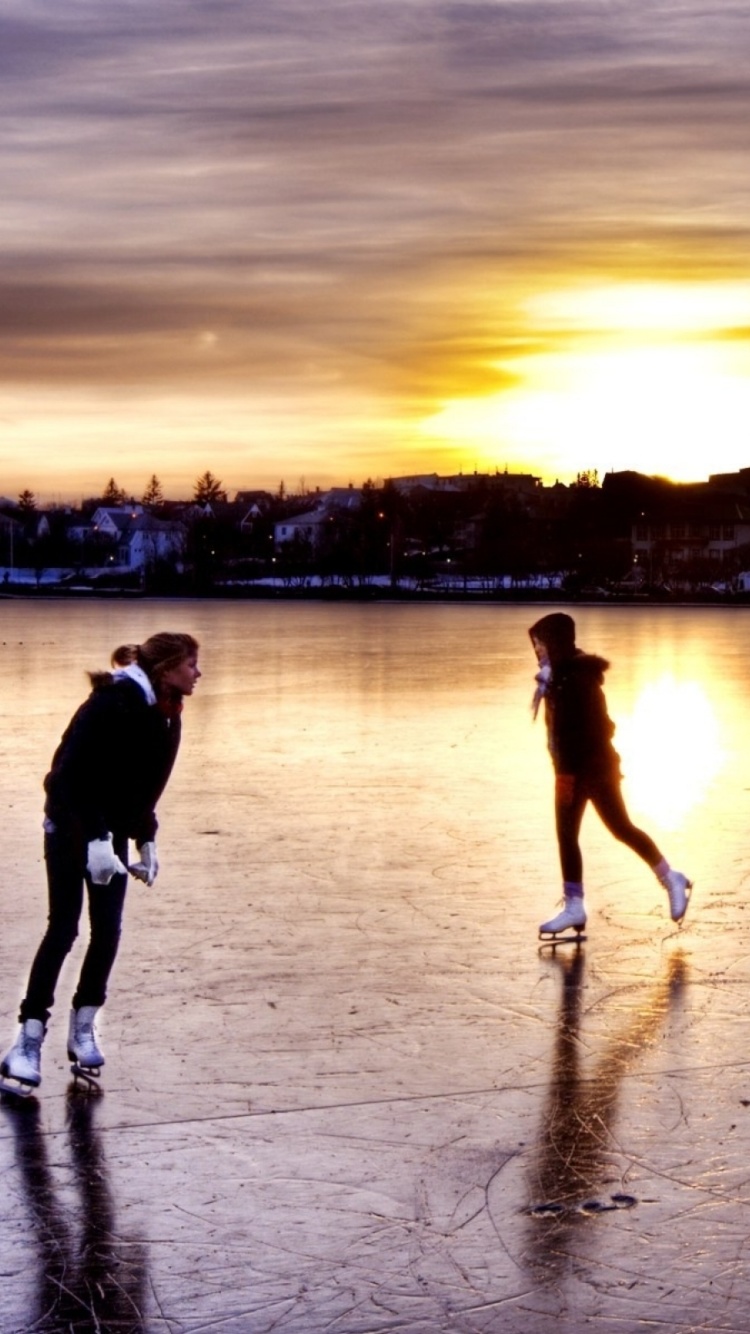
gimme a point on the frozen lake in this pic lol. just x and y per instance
(340, 1079)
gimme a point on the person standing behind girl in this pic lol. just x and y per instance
(587, 767)
(107, 774)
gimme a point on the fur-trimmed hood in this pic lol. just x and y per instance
(589, 665)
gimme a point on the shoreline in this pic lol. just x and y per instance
(372, 594)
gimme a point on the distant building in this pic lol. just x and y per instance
(126, 537)
(112, 519)
(148, 540)
(693, 526)
(301, 528)
(428, 481)
(735, 482)
(259, 501)
(519, 483)
(331, 508)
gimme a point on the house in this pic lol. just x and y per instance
(110, 520)
(331, 509)
(148, 540)
(254, 506)
(695, 525)
(259, 501)
(127, 538)
(301, 528)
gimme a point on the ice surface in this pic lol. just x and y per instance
(344, 1092)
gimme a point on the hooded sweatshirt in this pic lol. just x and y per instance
(113, 761)
(579, 729)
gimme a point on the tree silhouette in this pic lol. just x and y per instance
(208, 488)
(587, 481)
(113, 494)
(153, 495)
(27, 502)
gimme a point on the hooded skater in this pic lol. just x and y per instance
(107, 774)
(587, 767)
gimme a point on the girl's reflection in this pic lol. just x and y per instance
(90, 1279)
(573, 1155)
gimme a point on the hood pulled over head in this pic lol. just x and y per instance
(557, 632)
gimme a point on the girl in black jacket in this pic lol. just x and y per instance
(107, 774)
(587, 767)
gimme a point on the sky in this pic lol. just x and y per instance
(321, 243)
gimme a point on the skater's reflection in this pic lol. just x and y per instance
(90, 1278)
(573, 1171)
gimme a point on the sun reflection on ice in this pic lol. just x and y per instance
(671, 750)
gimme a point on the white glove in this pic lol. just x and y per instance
(102, 863)
(147, 868)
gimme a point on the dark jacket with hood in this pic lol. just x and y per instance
(112, 763)
(579, 728)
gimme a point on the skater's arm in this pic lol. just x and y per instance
(153, 778)
(583, 731)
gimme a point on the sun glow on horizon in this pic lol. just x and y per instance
(644, 308)
(650, 377)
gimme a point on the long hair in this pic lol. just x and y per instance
(155, 656)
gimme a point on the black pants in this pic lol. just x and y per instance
(65, 855)
(572, 793)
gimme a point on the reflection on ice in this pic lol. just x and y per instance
(572, 1172)
(89, 1278)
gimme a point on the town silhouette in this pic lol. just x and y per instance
(493, 535)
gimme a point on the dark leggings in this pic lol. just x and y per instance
(65, 856)
(572, 792)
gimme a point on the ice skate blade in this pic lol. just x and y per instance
(549, 940)
(89, 1076)
(17, 1088)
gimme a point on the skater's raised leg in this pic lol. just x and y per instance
(677, 886)
(20, 1068)
(609, 805)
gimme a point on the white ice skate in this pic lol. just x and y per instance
(20, 1068)
(678, 888)
(83, 1052)
(567, 926)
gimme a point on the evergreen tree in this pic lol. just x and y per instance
(153, 495)
(113, 494)
(208, 488)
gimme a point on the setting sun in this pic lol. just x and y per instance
(655, 729)
(646, 377)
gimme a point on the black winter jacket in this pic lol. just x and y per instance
(579, 729)
(112, 764)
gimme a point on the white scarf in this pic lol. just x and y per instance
(135, 673)
(542, 678)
